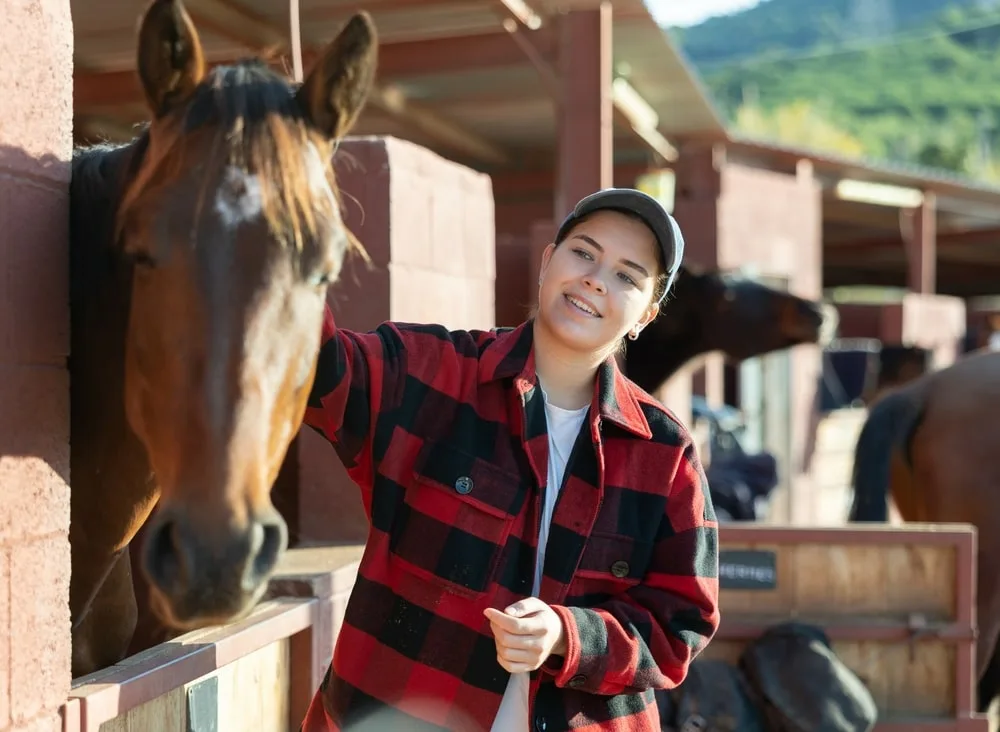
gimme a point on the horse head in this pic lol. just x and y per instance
(744, 318)
(232, 220)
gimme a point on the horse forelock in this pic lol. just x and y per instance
(257, 127)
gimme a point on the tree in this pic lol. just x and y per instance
(797, 123)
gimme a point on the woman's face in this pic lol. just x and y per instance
(598, 283)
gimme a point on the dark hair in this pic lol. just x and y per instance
(662, 277)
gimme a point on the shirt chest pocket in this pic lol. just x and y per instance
(612, 563)
(456, 516)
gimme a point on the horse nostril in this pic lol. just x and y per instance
(273, 542)
(163, 560)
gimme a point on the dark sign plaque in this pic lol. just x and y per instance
(747, 569)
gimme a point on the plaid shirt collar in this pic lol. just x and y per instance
(511, 355)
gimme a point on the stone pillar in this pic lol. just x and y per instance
(36, 124)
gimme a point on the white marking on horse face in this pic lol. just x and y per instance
(239, 199)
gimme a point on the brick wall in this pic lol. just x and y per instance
(36, 48)
(429, 227)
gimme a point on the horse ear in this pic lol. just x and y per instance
(337, 86)
(170, 60)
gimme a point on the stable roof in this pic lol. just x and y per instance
(454, 79)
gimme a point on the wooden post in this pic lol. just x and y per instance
(921, 247)
(584, 146)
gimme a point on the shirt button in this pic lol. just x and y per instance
(620, 569)
(464, 485)
(577, 680)
(540, 724)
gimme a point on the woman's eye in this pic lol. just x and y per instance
(583, 253)
(628, 279)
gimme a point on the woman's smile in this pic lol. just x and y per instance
(580, 305)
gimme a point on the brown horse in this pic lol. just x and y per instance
(711, 311)
(200, 258)
(932, 446)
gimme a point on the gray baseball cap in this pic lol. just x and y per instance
(648, 209)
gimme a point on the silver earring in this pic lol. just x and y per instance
(633, 335)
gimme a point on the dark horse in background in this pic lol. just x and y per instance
(713, 311)
(200, 258)
(933, 446)
(742, 318)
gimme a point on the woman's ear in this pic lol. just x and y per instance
(647, 317)
(546, 258)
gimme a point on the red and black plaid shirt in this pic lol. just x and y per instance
(444, 431)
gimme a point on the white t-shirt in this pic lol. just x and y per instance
(563, 427)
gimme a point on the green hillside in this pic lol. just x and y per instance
(798, 25)
(918, 81)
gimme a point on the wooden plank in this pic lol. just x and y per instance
(164, 670)
(251, 692)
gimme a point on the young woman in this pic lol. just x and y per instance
(543, 550)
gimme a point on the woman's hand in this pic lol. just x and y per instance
(526, 634)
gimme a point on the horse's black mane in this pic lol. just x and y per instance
(99, 175)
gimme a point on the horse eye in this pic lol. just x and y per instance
(320, 278)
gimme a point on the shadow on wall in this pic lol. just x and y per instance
(34, 322)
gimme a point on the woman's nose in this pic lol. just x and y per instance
(595, 282)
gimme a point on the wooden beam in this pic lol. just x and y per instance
(343, 10)
(238, 23)
(974, 237)
(635, 113)
(861, 214)
(522, 13)
(958, 280)
(392, 101)
(103, 91)
(623, 100)
(516, 184)
(396, 61)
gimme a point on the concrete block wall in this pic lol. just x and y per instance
(36, 68)
(429, 227)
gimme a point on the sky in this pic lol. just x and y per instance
(691, 12)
